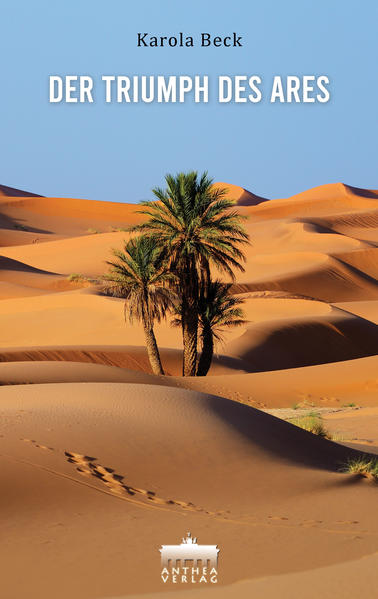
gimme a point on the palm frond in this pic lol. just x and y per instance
(191, 218)
(140, 275)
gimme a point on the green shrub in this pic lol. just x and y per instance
(367, 467)
(76, 278)
(311, 423)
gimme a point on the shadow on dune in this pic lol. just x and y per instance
(352, 224)
(262, 348)
(334, 281)
(358, 272)
(315, 226)
(16, 265)
(362, 262)
(130, 357)
(297, 344)
(250, 199)
(281, 439)
(12, 192)
(364, 193)
(11, 224)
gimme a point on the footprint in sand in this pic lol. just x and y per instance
(310, 523)
(33, 442)
(87, 466)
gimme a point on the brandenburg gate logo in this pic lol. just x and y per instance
(203, 560)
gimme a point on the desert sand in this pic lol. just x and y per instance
(102, 462)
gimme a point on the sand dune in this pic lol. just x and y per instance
(64, 371)
(365, 309)
(281, 236)
(74, 318)
(82, 317)
(86, 255)
(287, 259)
(18, 279)
(290, 343)
(325, 385)
(91, 328)
(13, 237)
(292, 271)
(10, 265)
(365, 261)
(319, 201)
(342, 580)
(314, 275)
(129, 357)
(241, 196)
(11, 290)
(331, 384)
(12, 192)
(362, 225)
(357, 427)
(102, 462)
(126, 474)
(48, 218)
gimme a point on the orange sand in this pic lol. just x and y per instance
(83, 419)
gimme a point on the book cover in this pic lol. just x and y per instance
(188, 299)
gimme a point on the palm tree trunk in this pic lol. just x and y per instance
(189, 333)
(189, 286)
(207, 351)
(152, 350)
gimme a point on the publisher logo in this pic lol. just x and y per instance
(189, 563)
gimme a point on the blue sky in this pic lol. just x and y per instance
(120, 151)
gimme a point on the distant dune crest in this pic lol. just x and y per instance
(12, 192)
(242, 196)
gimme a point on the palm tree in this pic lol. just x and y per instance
(217, 309)
(194, 225)
(141, 277)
